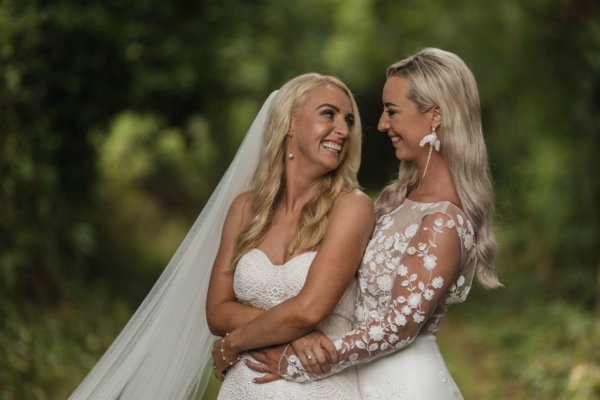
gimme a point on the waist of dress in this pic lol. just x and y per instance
(426, 337)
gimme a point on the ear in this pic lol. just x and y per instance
(436, 117)
(292, 126)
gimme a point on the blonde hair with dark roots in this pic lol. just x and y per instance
(268, 182)
(440, 78)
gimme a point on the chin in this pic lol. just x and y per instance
(400, 155)
(332, 166)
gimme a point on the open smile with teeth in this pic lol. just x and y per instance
(333, 147)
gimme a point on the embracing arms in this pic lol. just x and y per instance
(348, 231)
(349, 228)
(415, 283)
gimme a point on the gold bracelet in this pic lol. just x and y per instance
(223, 351)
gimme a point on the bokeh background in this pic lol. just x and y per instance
(118, 118)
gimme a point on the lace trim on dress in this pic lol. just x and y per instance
(419, 260)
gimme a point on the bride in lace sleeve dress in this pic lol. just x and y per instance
(290, 246)
(433, 234)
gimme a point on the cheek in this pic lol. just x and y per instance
(399, 127)
(313, 130)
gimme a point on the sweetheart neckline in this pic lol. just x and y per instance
(266, 257)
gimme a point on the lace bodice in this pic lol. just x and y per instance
(420, 259)
(259, 283)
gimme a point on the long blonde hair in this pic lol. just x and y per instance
(268, 182)
(440, 78)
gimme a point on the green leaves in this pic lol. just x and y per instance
(118, 118)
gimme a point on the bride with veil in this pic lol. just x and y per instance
(163, 351)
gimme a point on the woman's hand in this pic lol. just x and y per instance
(316, 352)
(223, 358)
(267, 362)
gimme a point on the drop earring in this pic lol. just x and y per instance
(434, 142)
(290, 155)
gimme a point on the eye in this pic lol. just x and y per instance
(330, 114)
(390, 113)
(350, 121)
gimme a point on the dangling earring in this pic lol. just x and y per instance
(434, 142)
(290, 155)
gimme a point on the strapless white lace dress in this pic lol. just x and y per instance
(259, 283)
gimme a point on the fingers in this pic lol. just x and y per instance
(307, 362)
(303, 348)
(270, 374)
(260, 356)
(328, 346)
(266, 378)
(219, 366)
(318, 363)
(316, 352)
(259, 367)
(321, 360)
(219, 375)
(316, 360)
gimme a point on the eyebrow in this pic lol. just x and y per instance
(329, 105)
(390, 104)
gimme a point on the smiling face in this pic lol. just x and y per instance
(402, 121)
(321, 129)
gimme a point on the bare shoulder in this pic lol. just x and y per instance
(353, 203)
(240, 210)
(351, 221)
(241, 202)
(354, 198)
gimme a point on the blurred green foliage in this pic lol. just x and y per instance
(118, 118)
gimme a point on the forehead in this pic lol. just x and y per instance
(396, 89)
(329, 94)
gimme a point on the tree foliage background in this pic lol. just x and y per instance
(117, 119)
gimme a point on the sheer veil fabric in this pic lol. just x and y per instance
(163, 351)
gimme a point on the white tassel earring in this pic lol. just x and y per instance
(434, 142)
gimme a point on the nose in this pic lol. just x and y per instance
(384, 124)
(341, 129)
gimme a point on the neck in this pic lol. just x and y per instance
(438, 181)
(299, 189)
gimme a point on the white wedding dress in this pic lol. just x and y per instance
(420, 259)
(259, 283)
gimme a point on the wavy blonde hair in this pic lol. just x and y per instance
(268, 182)
(440, 78)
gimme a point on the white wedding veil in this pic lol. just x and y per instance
(163, 351)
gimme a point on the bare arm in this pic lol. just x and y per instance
(223, 312)
(350, 225)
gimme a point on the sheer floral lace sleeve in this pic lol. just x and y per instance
(409, 273)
